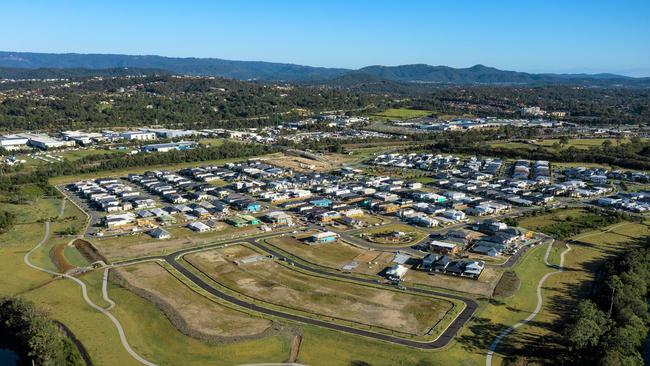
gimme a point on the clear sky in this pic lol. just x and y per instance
(524, 35)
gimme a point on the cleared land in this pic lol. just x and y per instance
(197, 312)
(336, 255)
(271, 282)
(129, 246)
(302, 164)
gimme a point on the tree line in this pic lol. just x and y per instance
(610, 328)
(33, 336)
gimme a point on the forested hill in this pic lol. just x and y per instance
(242, 70)
(71, 73)
(270, 71)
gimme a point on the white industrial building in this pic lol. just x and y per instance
(13, 142)
(44, 142)
(81, 137)
(138, 135)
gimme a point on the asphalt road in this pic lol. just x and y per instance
(441, 341)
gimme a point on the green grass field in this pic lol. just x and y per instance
(562, 291)
(551, 143)
(377, 234)
(536, 222)
(401, 113)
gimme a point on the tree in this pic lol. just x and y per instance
(587, 326)
(564, 140)
(607, 144)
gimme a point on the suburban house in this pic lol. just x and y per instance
(160, 233)
(279, 218)
(396, 272)
(198, 226)
(443, 247)
(324, 237)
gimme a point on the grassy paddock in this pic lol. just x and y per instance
(401, 113)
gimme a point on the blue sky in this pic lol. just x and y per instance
(525, 35)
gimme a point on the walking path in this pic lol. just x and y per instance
(538, 308)
(84, 293)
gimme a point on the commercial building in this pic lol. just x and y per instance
(170, 133)
(44, 142)
(81, 137)
(183, 145)
(13, 142)
(138, 135)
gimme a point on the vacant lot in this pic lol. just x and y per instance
(558, 216)
(137, 245)
(198, 312)
(333, 255)
(484, 285)
(271, 282)
(301, 164)
(393, 234)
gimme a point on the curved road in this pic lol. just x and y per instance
(84, 293)
(442, 340)
(538, 307)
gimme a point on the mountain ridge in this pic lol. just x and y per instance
(287, 72)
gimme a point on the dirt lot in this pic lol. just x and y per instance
(199, 313)
(272, 282)
(301, 164)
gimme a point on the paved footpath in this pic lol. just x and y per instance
(538, 308)
(84, 293)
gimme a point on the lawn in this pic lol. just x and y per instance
(582, 143)
(35, 210)
(273, 283)
(147, 328)
(562, 291)
(155, 338)
(537, 222)
(192, 310)
(401, 113)
(212, 141)
(550, 144)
